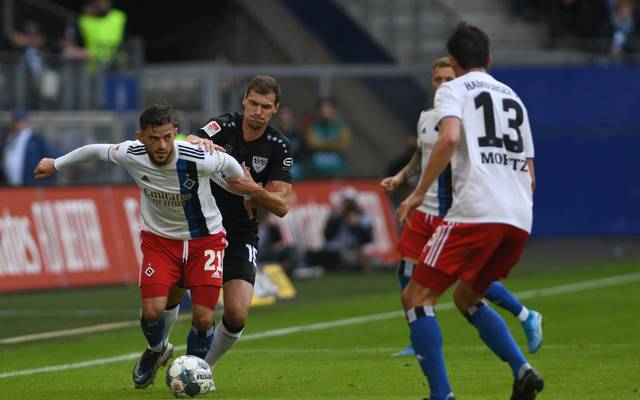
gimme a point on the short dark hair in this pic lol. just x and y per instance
(264, 85)
(157, 115)
(469, 46)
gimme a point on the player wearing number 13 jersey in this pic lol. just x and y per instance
(183, 239)
(423, 221)
(484, 133)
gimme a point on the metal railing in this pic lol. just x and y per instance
(217, 87)
(61, 83)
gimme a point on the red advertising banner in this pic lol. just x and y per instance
(312, 203)
(82, 236)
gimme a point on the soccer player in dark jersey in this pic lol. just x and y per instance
(265, 154)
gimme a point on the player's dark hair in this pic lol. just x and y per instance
(157, 115)
(469, 46)
(264, 85)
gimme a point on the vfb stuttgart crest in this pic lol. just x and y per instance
(259, 163)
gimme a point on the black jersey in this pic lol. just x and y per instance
(269, 158)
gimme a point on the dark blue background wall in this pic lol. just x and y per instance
(586, 127)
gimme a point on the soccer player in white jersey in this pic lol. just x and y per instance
(183, 239)
(423, 221)
(483, 131)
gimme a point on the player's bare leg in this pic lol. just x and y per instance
(419, 303)
(158, 351)
(201, 334)
(237, 295)
(204, 299)
(495, 334)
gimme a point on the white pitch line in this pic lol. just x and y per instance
(562, 289)
(448, 348)
(112, 326)
(74, 312)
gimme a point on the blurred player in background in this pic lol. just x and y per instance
(484, 133)
(422, 222)
(266, 156)
(182, 239)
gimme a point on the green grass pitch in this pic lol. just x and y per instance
(591, 349)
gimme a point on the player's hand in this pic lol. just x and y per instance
(45, 168)
(390, 183)
(204, 144)
(407, 206)
(244, 184)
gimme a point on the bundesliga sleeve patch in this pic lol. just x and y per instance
(211, 128)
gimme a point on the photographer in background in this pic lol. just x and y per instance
(347, 230)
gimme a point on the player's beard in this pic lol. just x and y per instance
(166, 159)
(256, 124)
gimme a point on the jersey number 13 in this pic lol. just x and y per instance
(484, 101)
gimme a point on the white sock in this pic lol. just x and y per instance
(525, 367)
(524, 314)
(223, 340)
(170, 317)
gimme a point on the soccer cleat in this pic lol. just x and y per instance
(407, 351)
(533, 330)
(145, 370)
(528, 386)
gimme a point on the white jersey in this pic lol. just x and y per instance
(491, 181)
(175, 199)
(439, 195)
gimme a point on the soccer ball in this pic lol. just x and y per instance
(189, 376)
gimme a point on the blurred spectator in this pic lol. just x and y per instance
(41, 82)
(21, 150)
(347, 230)
(530, 9)
(287, 125)
(272, 247)
(580, 19)
(623, 28)
(327, 139)
(101, 31)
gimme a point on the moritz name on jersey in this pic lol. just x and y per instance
(503, 159)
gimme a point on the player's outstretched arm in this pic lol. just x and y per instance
(229, 166)
(92, 152)
(391, 183)
(443, 149)
(45, 168)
